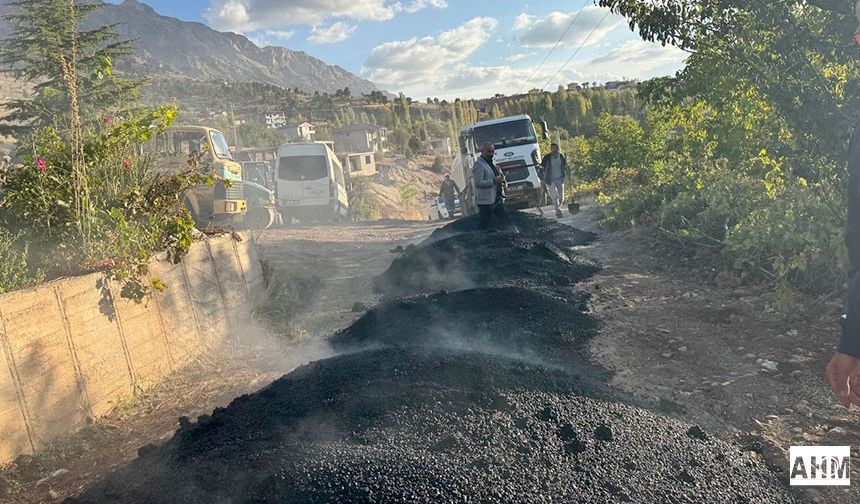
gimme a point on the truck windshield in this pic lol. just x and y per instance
(302, 168)
(507, 134)
(219, 144)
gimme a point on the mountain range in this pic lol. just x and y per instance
(174, 49)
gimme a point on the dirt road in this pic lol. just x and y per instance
(706, 351)
(473, 390)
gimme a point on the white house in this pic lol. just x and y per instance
(306, 131)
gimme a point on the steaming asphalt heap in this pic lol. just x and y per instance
(535, 253)
(463, 396)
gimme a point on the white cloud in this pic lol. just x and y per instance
(279, 35)
(270, 37)
(418, 5)
(426, 61)
(513, 58)
(638, 59)
(336, 32)
(482, 82)
(533, 31)
(245, 16)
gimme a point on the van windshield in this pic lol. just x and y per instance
(302, 168)
(507, 134)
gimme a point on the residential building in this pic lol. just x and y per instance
(360, 164)
(306, 131)
(621, 85)
(360, 138)
(439, 146)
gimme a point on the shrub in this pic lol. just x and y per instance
(408, 194)
(438, 165)
(15, 272)
(363, 203)
(132, 210)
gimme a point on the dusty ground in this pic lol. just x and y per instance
(500, 364)
(398, 177)
(670, 333)
(674, 335)
(337, 264)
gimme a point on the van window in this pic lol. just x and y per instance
(302, 168)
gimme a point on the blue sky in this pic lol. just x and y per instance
(445, 48)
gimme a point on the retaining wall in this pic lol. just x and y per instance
(72, 349)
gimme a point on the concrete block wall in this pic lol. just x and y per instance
(72, 349)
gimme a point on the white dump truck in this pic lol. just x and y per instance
(517, 155)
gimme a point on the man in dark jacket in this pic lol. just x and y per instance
(489, 189)
(554, 167)
(448, 192)
(843, 372)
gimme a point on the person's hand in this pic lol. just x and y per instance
(500, 179)
(843, 373)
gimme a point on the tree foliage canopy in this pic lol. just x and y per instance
(48, 42)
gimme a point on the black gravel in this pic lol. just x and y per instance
(476, 391)
(396, 425)
(505, 321)
(527, 224)
(470, 260)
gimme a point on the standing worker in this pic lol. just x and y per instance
(489, 188)
(843, 372)
(554, 167)
(448, 192)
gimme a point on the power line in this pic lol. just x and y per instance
(578, 49)
(557, 42)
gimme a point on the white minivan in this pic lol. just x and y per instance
(310, 183)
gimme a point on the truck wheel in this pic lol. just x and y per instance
(259, 217)
(199, 222)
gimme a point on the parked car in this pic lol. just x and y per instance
(442, 209)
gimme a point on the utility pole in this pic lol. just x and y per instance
(235, 130)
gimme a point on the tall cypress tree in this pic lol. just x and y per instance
(71, 66)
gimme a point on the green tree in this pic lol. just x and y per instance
(620, 143)
(495, 112)
(438, 165)
(798, 56)
(71, 66)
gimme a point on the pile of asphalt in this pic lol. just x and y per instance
(527, 224)
(396, 425)
(476, 395)
(532, 325)
(475, 259)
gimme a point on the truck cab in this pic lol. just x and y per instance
(517, 155)
(182, 148)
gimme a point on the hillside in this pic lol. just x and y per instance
(176, 49)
